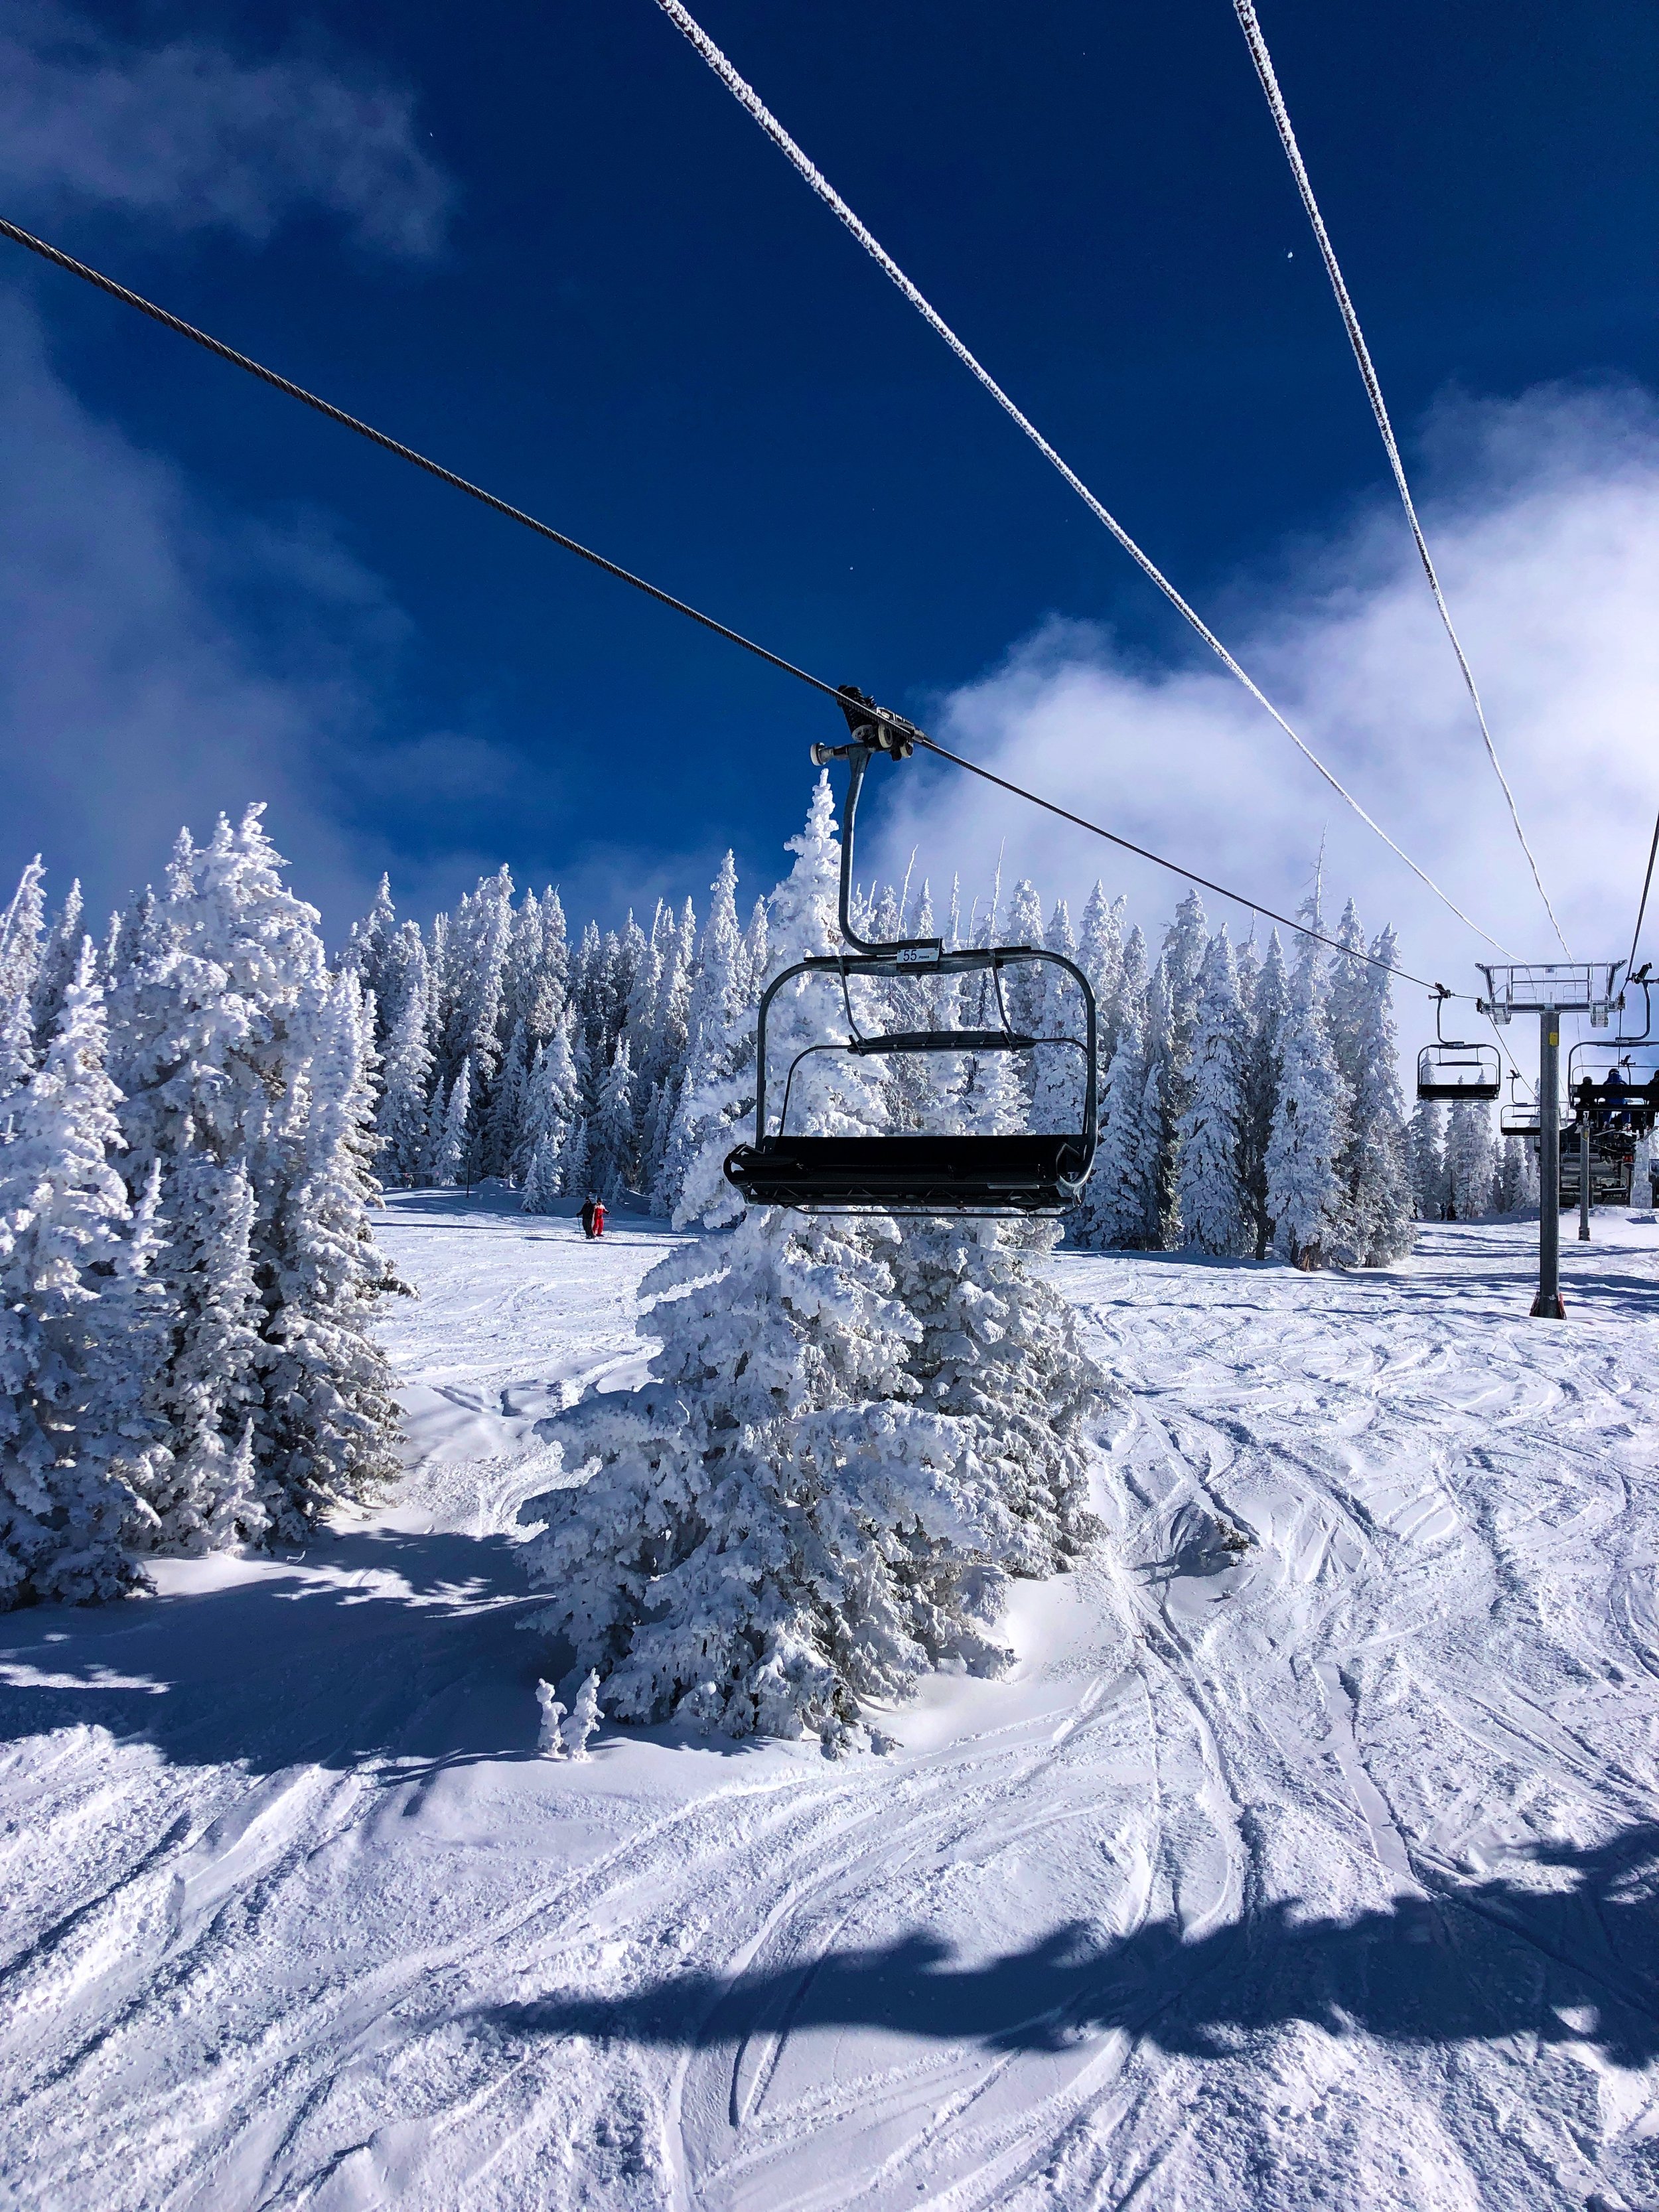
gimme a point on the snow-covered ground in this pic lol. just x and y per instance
(1318, 1874)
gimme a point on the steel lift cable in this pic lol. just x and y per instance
(745, 93)
(1641, 911)
(839, 693)
(1245, 12)
(392, 445)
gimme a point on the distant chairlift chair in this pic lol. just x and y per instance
(912, 1173)
(1451, 1071)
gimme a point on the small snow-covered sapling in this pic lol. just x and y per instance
(583, 1719)
(548, 1741)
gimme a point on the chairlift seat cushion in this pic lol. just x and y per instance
(912, 1174)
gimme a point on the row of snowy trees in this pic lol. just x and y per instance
(1248, 1106)
(187, 1279)
(1461, 1170)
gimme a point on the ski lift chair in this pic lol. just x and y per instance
(1450, 1069)
(1456, 1072)
(912, 1173)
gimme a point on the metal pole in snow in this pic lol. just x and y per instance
(1584, 1176)
(1548, 1305)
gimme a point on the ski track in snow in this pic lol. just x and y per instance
(1319, 1874)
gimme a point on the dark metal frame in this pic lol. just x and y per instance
(874, 731)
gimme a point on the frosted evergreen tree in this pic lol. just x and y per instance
(1185, 944)
(1022, 988)
(1100, 955)
(1470, 1165)
(16, 1056)
(1118, 1212)
(553, 1102)
(1426, 1144)
(20, 929)
(543, 1182)
(450, 1153)
(78, 1326)
(401, 1120)
(328, 1424)
(612, 1166)
(1210, 1197)
(825, 1488)
(1266, 1008)
(1518, 1153)
(1162, 1095)
(370, 954)
(1517, 1190)
(1058, 1073)
(574, 1176)
(1304, 1198)
(1374, 1166)
(504, 1128)
(718, 1087)
(60, 961)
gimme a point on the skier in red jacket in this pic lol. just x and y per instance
(598, 1217)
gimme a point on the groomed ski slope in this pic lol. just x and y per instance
(1321, 1874)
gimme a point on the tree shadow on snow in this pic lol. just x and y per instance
(369, 1645)
(1567, 1957)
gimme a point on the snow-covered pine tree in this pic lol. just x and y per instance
(504, 1128)
(401, 1118)
(79, 1326)
(552, 1104)
(611, 1164)
(551, 991)
(20, 929)
(1516, 1187)
(1470, 1166)
(1426, 1143)
(60, 961)
(1058, 1073)
(1266, 1008)
(1022, 988)
(1374, 1164)
(1304, 1200)
(452, 1152)
(370, 955)
(204, 1495)
(718, 1086)
(1207, 1152)
(238, 1050)
(329, 1425)
(1517, 1155)
(1100, 955)
(542, 1181)
(1163, 1091)
(787, 1521)
(1119, 1209)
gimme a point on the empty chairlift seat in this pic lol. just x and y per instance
(911, 1171)
(1455, 1072)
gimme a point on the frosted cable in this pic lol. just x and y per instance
(747, 97)
(1245, 12)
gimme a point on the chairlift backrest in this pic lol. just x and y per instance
(912, 1173)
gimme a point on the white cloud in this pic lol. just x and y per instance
(192, 135)
(1548, 546)
(135, 693)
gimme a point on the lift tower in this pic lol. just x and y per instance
(1550, 988)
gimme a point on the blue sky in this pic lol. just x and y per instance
(547, 248)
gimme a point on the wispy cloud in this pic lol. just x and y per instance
(1547, 531)
(136, 691)
(195, 136)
